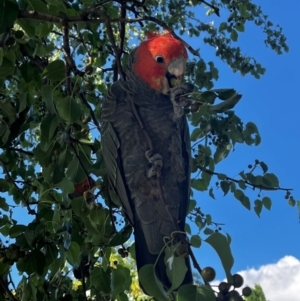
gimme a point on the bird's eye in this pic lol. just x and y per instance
(159, 59)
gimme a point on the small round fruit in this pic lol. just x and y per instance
(19, 34)
(238, 280)
(195, 107)
(224, 287)
(13, 247)
(208, 274)
(247, 291)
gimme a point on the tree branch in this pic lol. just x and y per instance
(163, 25)
(103, 18)
(20, 150)
(83, 99)
(261, 187)
(7, 290)
(216, 9)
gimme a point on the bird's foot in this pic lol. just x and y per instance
(179, 98)
(156, 161)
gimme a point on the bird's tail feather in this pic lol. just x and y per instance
(144, 257)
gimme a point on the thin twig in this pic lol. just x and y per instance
(163, 25)
(7, 290)
(70, 64)
(216, 9)
(20, 150)
(103, 18)
(261, 187)
(82, 165)
(83, 99)
(4, 37)
(111, 37)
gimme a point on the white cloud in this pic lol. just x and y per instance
(280, 281)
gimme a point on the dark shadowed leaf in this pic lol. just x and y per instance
(73, 254)
(101, 279)
(55, 70)
(68, 109)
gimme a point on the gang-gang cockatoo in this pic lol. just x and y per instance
(146, 150)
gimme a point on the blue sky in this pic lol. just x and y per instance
(272, 103)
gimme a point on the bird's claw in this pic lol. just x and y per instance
(179, 98)
(156, 161)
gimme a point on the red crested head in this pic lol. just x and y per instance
(159, 58)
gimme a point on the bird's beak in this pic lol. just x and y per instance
(175, 72)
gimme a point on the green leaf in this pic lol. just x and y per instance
(191, 292)
(264, 166)
(270, 180)
(225, 186)
(196, 134)
(51, 253)
(121, 236)
(15, 230)
(3, 205)
(199, 184)
(223, 26)
(196, 241)
(239, 195)
(225, 94)
(98, 215)
(192, 205)
(4, 185)
(80, 207)
(73, 254)
(258, 207)
(35, 262)
(122, 297)
(240, 27)
(47, 94)
(227, 104)
(101, 279)
(151, 284)
(175, 266)
(55, 70)
(266, 201)
(68, 109)
(234, 35)
(211, 193)
(118, 282)
(9, 11)
(48, 127)
(222, 246)
(221, 176)
(7, 68)
(242, 184)
(208, 231)
(75, 172)
(292, 202)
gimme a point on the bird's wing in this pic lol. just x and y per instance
(186, 153)
(111, 149)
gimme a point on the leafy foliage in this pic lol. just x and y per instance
(57, 59)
